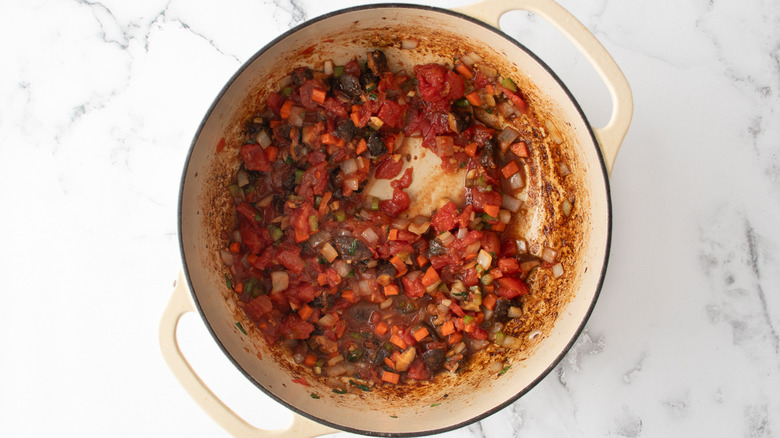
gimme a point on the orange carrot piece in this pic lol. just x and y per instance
(398, 342)
(391, 289)
(392, 234)
(464, 70)
(430, 277)
(235, 247)
(447, 328)
(510, 169)
(455, 338)
(323, 210)
(520, 149)
(362, 146)
(421, 260)
(305, 312)
(491, 210)
(399, 264)
(311, 359)
(490, 89)
(382, 328)
(474, 98)
(355, 116)
(349, 295)
(420, 334)
(489, 301)
(271, 152)
(389, 377)
(274, 123)
(499, 227)
(284, 111)
(322, 279)
(389, 362)
(318, 95)
(471, 150)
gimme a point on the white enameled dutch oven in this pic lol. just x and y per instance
(569, 163)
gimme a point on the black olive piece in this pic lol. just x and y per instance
(346, 130)
(460, 119)
(433, 359)
(385, 273)
(501, 309)
(488, 157)
(288, 184)
(368, 79)
(377, 62)
(349, 86)
(352, 249)
(376, 146)
(301, 75)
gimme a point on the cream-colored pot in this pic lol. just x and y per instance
(557, 309)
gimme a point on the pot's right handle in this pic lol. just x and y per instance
(178, 306)
(611, 136)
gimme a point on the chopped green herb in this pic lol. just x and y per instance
(359, 386)
(354, 355)
(468, 319)
(504, 370)
(240, 327)
(370, 87)
(435, 404)
(298, 176)
(249, 286)
(315, 396)
(228, 281)
(258, 217)
(488, 110)
(338, 70)
(394, 416)
(461, 103)
(373, 96)
(289, 159)
(339, 391)
(322, 260)
(352, 247)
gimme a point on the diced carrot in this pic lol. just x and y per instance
(398, 342)
(392, 234)
(489, 301)
(470, 327)
(361, 147)
(235, 247)
(323, 209)
(490, 89)
(381, 328)
(499, 227)
(318, 95)
(328, 138)
(421, 260)
(430, 277)
(464, 70)
(322, 279)
(519, 148)
(274, 123)
(305, 312)
(391, 289)
(510, 169)
(284, 111)
(389, 362)
(479, 318)
(471, 150)
(489, 288)
(389, 377)
(311, 359)
(271, 152)
(491, 210)
(455, 338)
(470, 257)
(238, 287)
(341, 326)
(420, 334)
(251, 258)
(447, 328)
(399, 264)
(474, 98)
(349, 295)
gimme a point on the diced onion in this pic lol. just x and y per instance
(335, 359)
(514, 312)
(457, 288)
(510, 203)
(522, 247)
(549, 255)
(487, 70)
(297, 113)
(328, 67)
(337, 370)
(317, 239)
(564, 169)
(409, 43)
(364, 287)
(419, 225)
(227, 257)
(566, 207)
(242, 178)
(505, 108)
(265, 202)
(280, 280)
(459, 347)
(484, 259)
(362, 163)
(473, 248)
(351, 184)
(349, 167)
(384, 305)
(329, 252)
(263, 139)
(511, 342)
(370, 235)
(504, 216)
(534, 334)
(342, 268)
(446, 238)
(516, 181)
(401, 223)
(557, 270)
(328, 320)
(506, 137)
(554, 134)
(462, 233)
(285, 81)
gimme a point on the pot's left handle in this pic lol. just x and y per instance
(179, 305)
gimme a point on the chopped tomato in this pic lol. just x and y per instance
(445, 218)
(511, 287)
(388, 168)
(254, 157)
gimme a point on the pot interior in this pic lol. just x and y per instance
(559, 306)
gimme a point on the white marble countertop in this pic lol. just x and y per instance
(99, 102)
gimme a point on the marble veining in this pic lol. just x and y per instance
(99, 101)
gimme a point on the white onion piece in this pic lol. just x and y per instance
(566, 207)
(349, 166)
(351, 184)
(280, 281)
(504, 216)
(510, 203)
(318, 238)
(384, 305)
(227, 257)
(514, 312)
(328, 320)
(506, 137)
(446, 238)
(564, 169)
(364, 288)
(511, 342)
(329, 252)
(474, 56)
(370, 235)
(516, 181)
(327, 68)
(337, 370)
(263, 139)
(409, 43)
(553, 131)
(557, 270)
(401, 223)
(285, 81)
(484, 259)
(335, 360)
(342, 268)
(522, 247)
(462, 233)
(242, 178)
(549, 255)
(473, 248)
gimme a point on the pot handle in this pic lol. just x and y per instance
(179, 305)
(611, 136)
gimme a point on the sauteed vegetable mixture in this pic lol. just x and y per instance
(348, 282)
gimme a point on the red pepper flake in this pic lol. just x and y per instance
(301, 381)
(221, 144)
